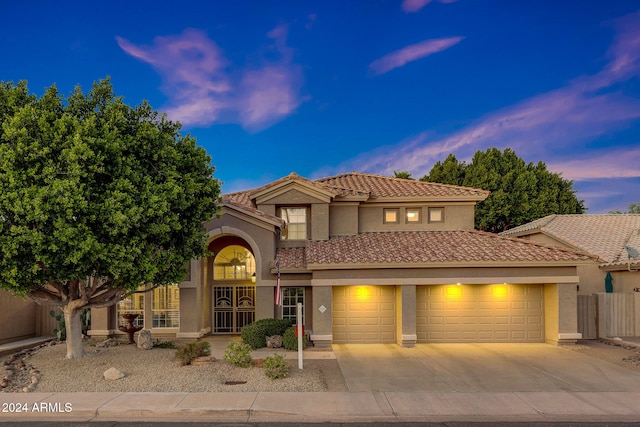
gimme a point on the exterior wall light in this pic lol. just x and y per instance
(253, 278)
(499, 291)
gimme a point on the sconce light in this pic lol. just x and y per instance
(253, 278)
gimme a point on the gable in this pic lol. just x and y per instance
(292, 187)
(292, 195)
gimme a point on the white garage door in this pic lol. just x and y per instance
(364, 314)
(480, 313)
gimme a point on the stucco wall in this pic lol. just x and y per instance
(624, 281)
(343, 219)
(17, 317)
(456, 217)
(449, 275)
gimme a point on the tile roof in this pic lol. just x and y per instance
(602, 235)
(372, 185)
(424, 247)
(384, 186)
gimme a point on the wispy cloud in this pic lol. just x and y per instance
(542, 126)
(411, 6)
(203, 91)
(618, 163)
(410, 53)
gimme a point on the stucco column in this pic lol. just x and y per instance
(101, 322)
(561, 313)
(322, 316)
(406, 315)
(264, 302)
(192, 322)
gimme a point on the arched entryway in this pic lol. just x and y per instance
(232, 269)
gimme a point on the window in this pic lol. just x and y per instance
(166, 307)
(391, 216)
(131, 304)
(234, 262)
(290, 299)
(296, 223)
(413, 216)
(436, 214)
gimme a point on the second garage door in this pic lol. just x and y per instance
(480, 313)
(364, 314)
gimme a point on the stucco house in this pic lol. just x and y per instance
(614, 239)
(372, 259)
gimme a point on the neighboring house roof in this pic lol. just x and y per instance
(424, 247)
(604, 236)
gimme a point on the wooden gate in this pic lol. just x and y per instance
(588, 316)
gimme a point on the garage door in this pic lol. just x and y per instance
(480, 313)
(364, 314)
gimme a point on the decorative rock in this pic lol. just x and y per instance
(113, 374)
(274, 341)
(144, 339)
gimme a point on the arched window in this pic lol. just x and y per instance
(234, 263)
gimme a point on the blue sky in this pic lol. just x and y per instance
(325, 87)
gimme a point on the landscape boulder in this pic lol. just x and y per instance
(144, 339)
(274, 341)
(113, 374)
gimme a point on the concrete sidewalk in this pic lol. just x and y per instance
(341, 407)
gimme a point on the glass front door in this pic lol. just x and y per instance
(233, 307)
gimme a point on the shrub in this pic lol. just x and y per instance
(238, 354)
(276, 366)
(290, 340)
(255, 334)
(189, 352)
(164, 344)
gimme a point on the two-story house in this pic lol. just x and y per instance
(372, 259)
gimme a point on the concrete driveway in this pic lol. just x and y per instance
(478, 368)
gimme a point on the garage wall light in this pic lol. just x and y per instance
(363, 292)
(454, 291)
(499, 291)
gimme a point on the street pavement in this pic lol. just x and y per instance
(430, 383)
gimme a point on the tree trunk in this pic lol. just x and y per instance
(73, 325)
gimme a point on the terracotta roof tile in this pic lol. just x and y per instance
(291, 257)
(602, 235)
(426, 247)
(383, 186)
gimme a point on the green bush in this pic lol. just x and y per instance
(276, 366)
(164, 344)
(189, 352)
(290, 340)
(238, 354)
(255, 334)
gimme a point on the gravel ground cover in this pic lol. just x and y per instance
(156, 370)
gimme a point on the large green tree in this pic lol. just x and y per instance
(520, 191)
(96, 198)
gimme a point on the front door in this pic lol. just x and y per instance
(233, 307)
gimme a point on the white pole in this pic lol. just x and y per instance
(299, 326)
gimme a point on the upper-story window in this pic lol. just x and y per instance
(391, 216)
(296, 220)
(413, 215)
(436, 214)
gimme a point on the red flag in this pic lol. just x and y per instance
(278, 297)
